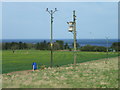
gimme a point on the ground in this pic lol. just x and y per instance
(101, 73)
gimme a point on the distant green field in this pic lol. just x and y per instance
(23, 59)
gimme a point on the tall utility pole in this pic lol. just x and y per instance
(74, 20)
(51, 12)
(72, 28)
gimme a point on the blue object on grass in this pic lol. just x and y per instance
(35, 65)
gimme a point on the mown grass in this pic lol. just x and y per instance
(94, 74)
(23, 59)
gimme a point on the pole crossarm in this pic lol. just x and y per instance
(51, 11)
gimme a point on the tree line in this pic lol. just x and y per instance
(57, 45)
(114, 47)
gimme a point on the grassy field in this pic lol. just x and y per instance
(101, 73)
(23, 59)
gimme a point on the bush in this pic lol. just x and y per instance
(116, 46)
(43, 67)
(93, 48)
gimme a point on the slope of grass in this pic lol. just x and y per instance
(23, 59)
(94, 74)
(0, 69)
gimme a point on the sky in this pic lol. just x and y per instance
(29, 20)
(0, 21)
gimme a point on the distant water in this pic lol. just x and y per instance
(82, 42)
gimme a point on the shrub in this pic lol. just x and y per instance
(93, 48)
(43, 67)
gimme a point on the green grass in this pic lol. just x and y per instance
(23, 59)
(101, 73)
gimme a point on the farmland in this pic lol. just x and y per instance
(23, 59)
(101, 73)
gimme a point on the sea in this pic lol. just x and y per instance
(81, 42)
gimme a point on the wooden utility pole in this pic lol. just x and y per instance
(51, 12)
(72, 28)
(74, 20)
